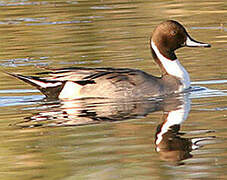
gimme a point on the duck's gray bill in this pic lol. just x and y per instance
(193, 43)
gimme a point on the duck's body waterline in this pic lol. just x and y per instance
(71, 83)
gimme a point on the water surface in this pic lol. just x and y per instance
(178, 137)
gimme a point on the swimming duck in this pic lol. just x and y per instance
(80, 82)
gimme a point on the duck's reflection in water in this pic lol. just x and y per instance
(169, 142)
(89, 111)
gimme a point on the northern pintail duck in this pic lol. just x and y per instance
(76, 82)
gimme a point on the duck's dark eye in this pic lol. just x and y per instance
(173, 33)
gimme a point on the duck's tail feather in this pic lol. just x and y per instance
(50, 89)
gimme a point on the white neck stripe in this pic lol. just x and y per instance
(174, 68)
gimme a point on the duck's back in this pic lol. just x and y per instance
(102, 82)
(106, 82)
(117, 84)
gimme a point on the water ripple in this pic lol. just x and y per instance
(21, 3)
(59, 22)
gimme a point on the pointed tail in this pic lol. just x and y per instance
(50, 89)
